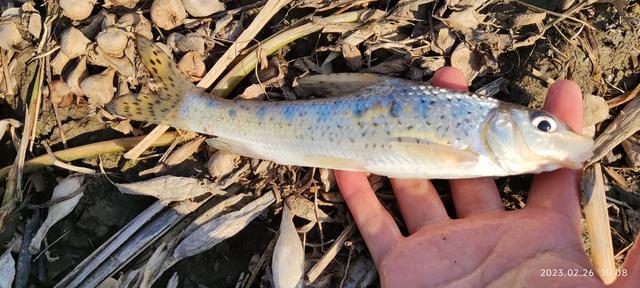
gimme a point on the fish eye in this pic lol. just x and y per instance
(544, 121)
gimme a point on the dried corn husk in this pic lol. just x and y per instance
(217, 230)
(170, 188)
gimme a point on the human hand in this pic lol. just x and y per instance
(486, 245)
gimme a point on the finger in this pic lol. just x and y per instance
(419, 203)
(630, 268)
(376, 226)
(558, 190)
(475, 195)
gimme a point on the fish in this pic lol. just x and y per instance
(382, 125)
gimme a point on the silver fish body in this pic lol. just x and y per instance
(395, 128)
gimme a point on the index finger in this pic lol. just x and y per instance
(559, 190)
(377, 227)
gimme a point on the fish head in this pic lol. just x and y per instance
(526, 141)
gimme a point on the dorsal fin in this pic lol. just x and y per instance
(173, 87)
(338, 84)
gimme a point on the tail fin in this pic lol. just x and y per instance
(162, 108)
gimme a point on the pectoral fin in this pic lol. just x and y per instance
(444, 154)
(331, 162)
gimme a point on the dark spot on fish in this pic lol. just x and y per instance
(374, 145)
(441, 117)
(366, 145)
(155, 70)
(155, 52)
(399, 139)
(158, 101)
(158, 60)
(351, 140)
(388, 132)
(432, 102)
(364, 134)
(395, 109)
(458, 124)
(428, 123)
(468, 112)
(375, 124)
(338, 126)
(360, 124)
(152, 62)
(410, 127)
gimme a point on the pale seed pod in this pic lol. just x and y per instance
(202, 8)
(99, 88)
(112, 41)
(77, 9)
(167, 14)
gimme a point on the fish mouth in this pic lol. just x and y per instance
(578, 153)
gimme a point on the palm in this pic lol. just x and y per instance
(495, 248)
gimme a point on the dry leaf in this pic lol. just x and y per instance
(217, 230)
(202, 8)
(466, 61)
(632, 149)
(528, 19)
(192, 64)
(465, 20)
(168, 14)
(353, 56)
(328, 179)
(288, 255)
(444, 41)
(304, 208)
(170, 188)
(595, 110)
(67, 187)
(7, 269)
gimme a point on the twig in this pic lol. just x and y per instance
(317, 269)
(597, 218)
(145, 143)
(269, 9)
(63, 165)
(624, 125)
(90, 150)
(624, 98)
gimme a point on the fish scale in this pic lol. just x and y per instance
(386, 126)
